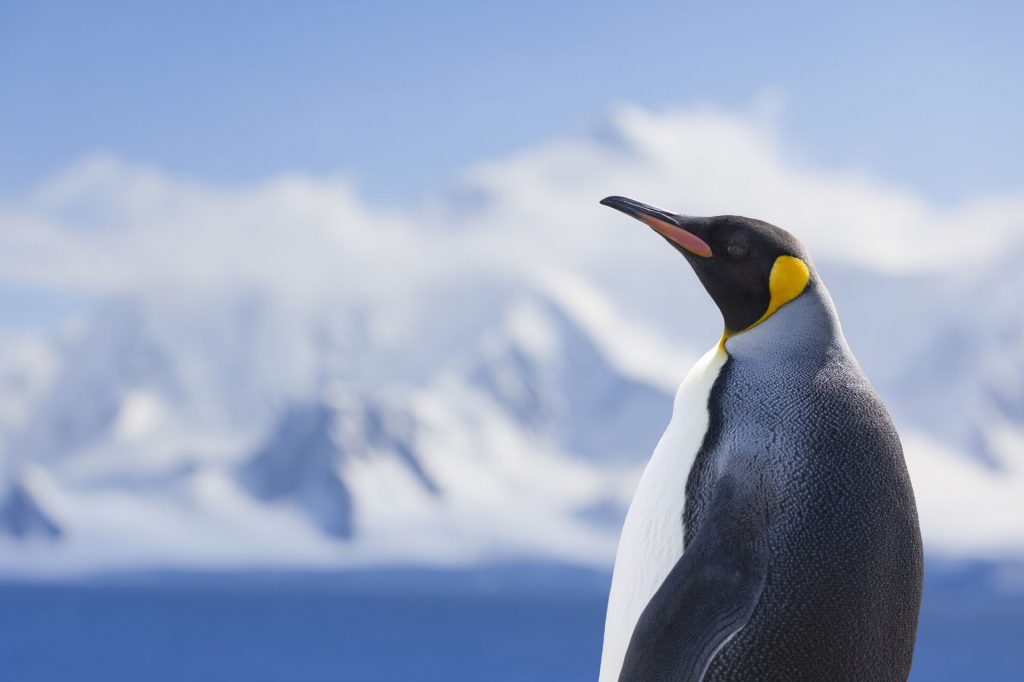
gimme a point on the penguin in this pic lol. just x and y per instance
(773, 535)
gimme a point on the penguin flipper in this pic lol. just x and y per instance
(708, 596)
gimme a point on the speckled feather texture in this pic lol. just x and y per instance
(803, 558)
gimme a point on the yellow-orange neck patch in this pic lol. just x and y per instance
(788, 279)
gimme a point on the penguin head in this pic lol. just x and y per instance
(749, 267)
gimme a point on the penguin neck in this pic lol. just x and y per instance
(807, 325)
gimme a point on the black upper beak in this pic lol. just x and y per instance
(635, 209)
(680, 230)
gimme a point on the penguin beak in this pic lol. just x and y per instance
(669, 225)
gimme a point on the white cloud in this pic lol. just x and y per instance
(107, 225)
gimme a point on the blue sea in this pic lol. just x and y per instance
(500, 624)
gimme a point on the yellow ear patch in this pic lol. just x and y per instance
(788, 279)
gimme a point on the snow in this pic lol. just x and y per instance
(966, 508)
(139, 413)
(282, 375)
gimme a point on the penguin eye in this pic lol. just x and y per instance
(734, 250)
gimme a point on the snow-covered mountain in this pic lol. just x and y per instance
(524, 441)
(284, 377)
(239, 432)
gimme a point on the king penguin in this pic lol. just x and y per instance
(773, 534)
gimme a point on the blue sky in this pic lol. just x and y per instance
(403, 96)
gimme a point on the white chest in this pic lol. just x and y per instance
(652, 536)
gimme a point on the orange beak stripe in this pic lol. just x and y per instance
(677, 235)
